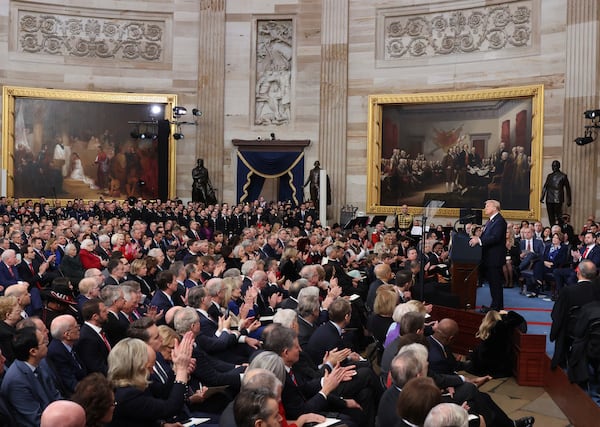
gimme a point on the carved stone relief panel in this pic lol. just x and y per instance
(90, 33)
(274, 54)
(500, 26)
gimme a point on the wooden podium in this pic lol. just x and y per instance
(464, 269)
(464, 283)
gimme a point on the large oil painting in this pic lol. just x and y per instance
(74, 144)
(461, 148)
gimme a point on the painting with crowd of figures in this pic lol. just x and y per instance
(76, 144)
(461, 148)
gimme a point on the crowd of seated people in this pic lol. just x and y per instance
(87, 285)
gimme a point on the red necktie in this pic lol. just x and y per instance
(12, 273)
(106, 343)
(293, 377)
(587, 249)
(529, 246)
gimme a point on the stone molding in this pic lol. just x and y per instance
(430, 31)
(98, 34)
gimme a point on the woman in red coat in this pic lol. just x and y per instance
(87, 256)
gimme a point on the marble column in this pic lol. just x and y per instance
(334, 91)
(211, 91)
(581, 94)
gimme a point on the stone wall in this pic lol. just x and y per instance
(337, 53)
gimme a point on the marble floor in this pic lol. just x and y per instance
(519, 401)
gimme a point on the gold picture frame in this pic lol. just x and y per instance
(66, 144)
(413, 156)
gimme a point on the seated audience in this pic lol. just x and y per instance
(28, 385)
(129, 365)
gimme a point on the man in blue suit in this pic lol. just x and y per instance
(27, 385)
(8, 269)
(62, 358)
(532, 257)
(590, 250)
(493, 253)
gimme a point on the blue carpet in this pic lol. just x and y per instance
(535, 310)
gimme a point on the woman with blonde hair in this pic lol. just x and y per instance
(493, 356)
(380, 320)
(10, 314)
(130, 362)
(290, 265)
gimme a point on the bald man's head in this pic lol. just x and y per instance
(446, 330)
(63, 413)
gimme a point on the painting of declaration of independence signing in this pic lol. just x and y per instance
(462, 153)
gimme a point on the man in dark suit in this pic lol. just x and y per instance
(403, 367)
(590, 250)
(383, 274)
(93, 346)
(61, 357)
(8, 270)
(329, 334)
(166, 288)
(564, 312)
(441, 359)
(103, 249)
(493, 257)
(29, 390)
(532, 259)
(303, 395)
(116, 323)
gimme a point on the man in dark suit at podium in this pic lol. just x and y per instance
(493, 252)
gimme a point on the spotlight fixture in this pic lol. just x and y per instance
(591, 114)
(272, 136)
(143, 135)
(178, 136)
(155, 110)
(196, 112)
(179, 111)
(135, 133)
(584, 140)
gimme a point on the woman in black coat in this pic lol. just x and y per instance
(494, 355)
(71, 267)
(130, 362)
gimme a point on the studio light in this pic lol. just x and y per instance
(135, 133)
(591, 114)
(178, 136)
(196, 112)
(143, 135)
(179, 111)
(156, 110)
(584, 140)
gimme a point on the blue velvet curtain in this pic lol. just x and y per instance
(256, 166)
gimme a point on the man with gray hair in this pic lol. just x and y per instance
(248, 269)
(63, 360)
(406, 365)
(116, 324)
(8, 269)
(447, 415)
(209, 370)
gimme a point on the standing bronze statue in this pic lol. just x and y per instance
(313, 180)
(554, 193)
(202, 189)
